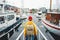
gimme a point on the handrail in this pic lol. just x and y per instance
(20, 35)
(42, 34)
(37, 29)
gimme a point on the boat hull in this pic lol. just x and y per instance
(51, 28)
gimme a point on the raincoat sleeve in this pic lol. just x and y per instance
(25, 29)
(24, 32)
(35, 29)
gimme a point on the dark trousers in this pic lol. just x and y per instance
(29, 37)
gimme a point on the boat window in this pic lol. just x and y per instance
(39, 13)
(10, 17)
(2, 20)
(1, 7)
(17, 18)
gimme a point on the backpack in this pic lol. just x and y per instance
(30, 29)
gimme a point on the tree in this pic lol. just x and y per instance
(34, 11)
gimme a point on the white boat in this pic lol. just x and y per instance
(51, 20)
(38, 15)
(6, 17)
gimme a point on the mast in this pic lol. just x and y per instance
(3, 2)
(22, 6)
(50, 5)
(58, 4)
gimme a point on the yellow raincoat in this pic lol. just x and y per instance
(30, 23)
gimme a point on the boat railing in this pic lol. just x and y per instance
(10, 28)
(53, 23)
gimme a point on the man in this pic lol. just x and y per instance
(30, 30)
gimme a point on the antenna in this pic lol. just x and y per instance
(3, 6)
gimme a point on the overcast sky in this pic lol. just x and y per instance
(31, 3)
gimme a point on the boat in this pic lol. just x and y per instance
(6, 16)
(9, 22)
(51, 21)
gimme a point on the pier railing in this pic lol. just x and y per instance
(40, 35)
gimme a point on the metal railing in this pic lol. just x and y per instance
(10, 28)
(40, 35)
(19, 37)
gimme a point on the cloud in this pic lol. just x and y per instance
(36, 3)
(32, 3)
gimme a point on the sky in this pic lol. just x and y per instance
(32, 3)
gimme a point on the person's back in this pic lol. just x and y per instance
(30, 28)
